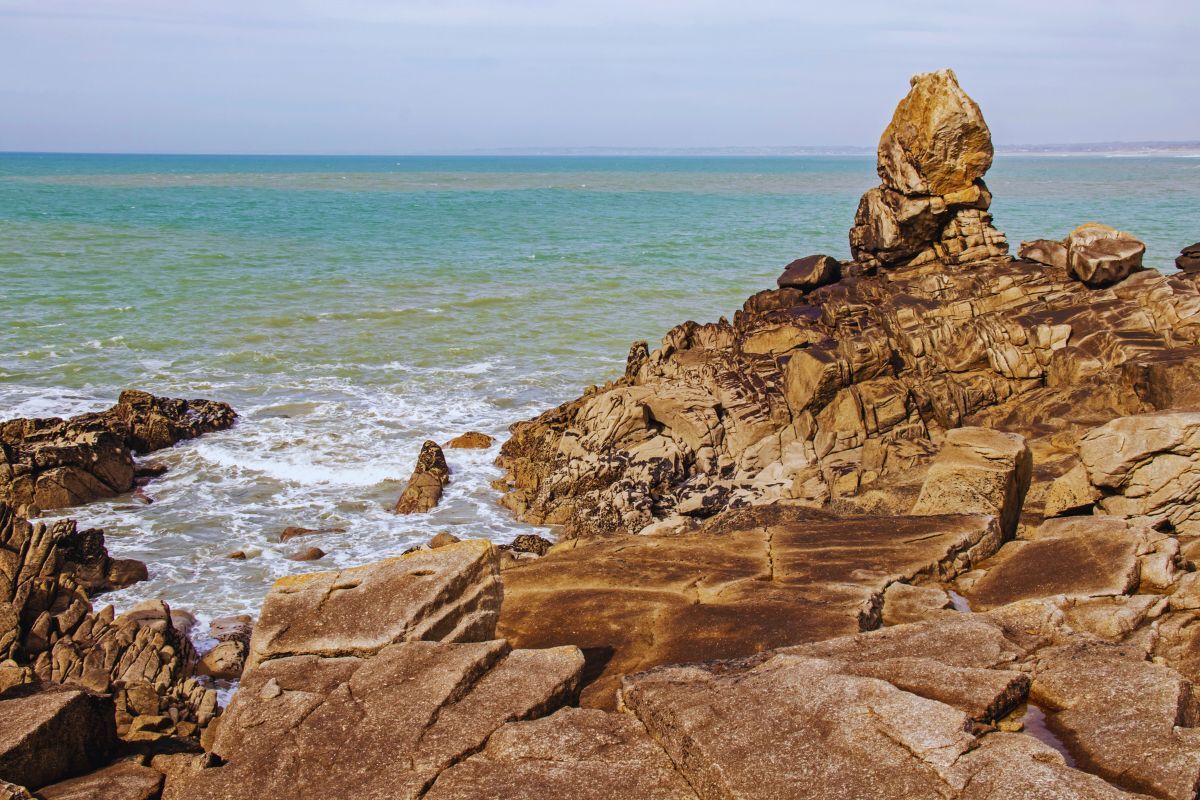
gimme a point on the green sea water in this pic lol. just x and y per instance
(350, 308)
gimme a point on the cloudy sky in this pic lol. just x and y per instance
(369, 76)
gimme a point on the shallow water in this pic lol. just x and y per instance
(350, 308)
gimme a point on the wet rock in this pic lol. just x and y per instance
(54, 734)
(745, 582)
(292, 532)
(583, 754)
(424, 488)
(1130, 721)
(1101, 256)
(1145, 468)
(810, 272)
(1188, 259)
(237, 555)
(307, 554)
(54, 463)
(978, 471)
(86, 559)
(471, 440)
(449, 594)
(121, 781)
(402, 715)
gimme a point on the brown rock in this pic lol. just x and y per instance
(529, 543)
(471, 440)
(1100, 256)
(442, 539)
(904, 603)
(293, 531)
(121, 781)
(449, 594)
(386, 725)
(424, 488)
(307, 554)
(810, 272)
(978, 471)
(745, 582)
(1045, 251)
(10, 791)
(583, 754)
(1189, 259)
(54, 734)
(225, 661)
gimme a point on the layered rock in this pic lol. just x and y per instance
(1095, 254)
(933, 203)
(54, 463)
(424, 489)
(1188, 259)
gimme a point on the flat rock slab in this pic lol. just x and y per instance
(51, 735)
(1089, 558)
(746, 582)
(381, 727)
(451, 594)
(583, 754)
(121, 781)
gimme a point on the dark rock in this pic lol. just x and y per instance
(810, 272)
(307, 554)
(1189, 259)
(529, 543)
(121, 781)
(86, 559)
(293, 531)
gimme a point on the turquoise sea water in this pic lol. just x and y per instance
(349, 308)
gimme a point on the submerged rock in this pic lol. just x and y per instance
(424, 488)
(55, 463)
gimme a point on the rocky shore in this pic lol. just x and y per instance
(922, 524)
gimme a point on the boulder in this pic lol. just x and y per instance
(54, 463)
(54, 734)
(123, 780)
(291, 532)
(424, 488)
(1045, 251)
(387, 724)
(745, 582)
(1188, 259)
(529, 543)
(471, 440)
(1145, 468)
(449, 594)
(307, 554)
(810, 272)
(978, 471)
(442, 539)
(1101, 256)
(584, 754)
(937, 142)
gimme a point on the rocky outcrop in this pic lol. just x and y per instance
(978, 471)
(471, 440)
(50, 634)
(86, 559)
(839, 396)
(810, 272)
(55, 463)
(424, 489)
(933, 203)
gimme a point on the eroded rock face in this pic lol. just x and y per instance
(1188, 259)
(51, 735)
(978, 471)
(424, 488)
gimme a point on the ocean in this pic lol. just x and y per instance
(350, 308)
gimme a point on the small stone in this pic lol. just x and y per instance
(442, 539)
(307, 554)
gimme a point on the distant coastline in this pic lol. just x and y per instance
(1189, 149)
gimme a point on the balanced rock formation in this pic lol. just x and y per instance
(933, 203)
(810, 272)
(424, 489)
(54, 463)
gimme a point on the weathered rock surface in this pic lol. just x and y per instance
(54, 463)
(451, 594)
(424, 488)
(86, 559)
(121, 781)
(978, 471)
(1100, 256)
(743, 583)
(584, 754)
(228, 658)
(51, 735)
(1188, 259)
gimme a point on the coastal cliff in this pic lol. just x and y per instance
(921, 524)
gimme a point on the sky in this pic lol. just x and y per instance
(446, 76)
